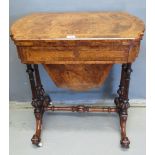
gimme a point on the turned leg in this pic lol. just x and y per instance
(39, 100)
(122, 102)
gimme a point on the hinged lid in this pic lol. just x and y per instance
(77, 26)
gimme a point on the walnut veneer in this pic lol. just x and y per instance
(78, 51)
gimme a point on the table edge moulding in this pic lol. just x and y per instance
(78, 50)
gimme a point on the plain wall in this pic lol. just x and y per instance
(19, 84)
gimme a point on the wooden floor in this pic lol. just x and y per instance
(76, 133)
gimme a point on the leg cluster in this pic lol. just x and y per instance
(39, 100)
(122, 102)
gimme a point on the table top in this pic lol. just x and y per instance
(74, 26)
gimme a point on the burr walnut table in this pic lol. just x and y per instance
(78, 50)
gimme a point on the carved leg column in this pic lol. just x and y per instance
(38, 100)
(39, 88)
(122, 102)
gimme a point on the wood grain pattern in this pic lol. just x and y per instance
(51, 26)
(101, 39)
(80, 52)
(78, 77)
